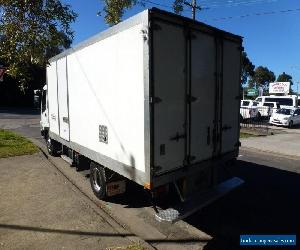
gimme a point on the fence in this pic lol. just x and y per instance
(256, 118)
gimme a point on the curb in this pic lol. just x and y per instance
(94, 202)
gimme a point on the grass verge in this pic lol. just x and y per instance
(12, 144)
(246, 135)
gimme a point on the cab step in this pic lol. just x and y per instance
(67, 159)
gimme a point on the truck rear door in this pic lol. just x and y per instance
(195, 95)
(184, 65)
(202, 96)
(230, 96)
(169, 59)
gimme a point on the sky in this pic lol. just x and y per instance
(270, 28)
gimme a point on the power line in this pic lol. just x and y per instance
(238, 3)
(149, 2)
(157, 4)
(257, 14)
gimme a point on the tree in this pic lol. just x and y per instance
(247, 68)
(262, 77)
(285, 78)
(114, 9)
(31, 32)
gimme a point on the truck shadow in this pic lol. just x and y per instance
(19, 111)
(268, 203)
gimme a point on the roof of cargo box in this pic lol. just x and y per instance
(143, 16)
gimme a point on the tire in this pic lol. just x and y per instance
(98, 180)
(52, 147)
(258, 116)
(290, 124)
(241, 119)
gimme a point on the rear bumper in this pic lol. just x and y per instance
(193, 170)
(280, 123)
(198, 201)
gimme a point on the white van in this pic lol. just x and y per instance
(283, 101)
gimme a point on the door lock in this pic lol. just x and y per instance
(177, 137)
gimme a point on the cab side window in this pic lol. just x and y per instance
(297, 112)
(44, 94)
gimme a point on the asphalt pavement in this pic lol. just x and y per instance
(267, 203)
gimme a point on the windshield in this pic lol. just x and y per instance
(281, 101)
(269, 105)
(285, 111)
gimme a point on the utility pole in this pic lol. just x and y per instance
(194, 8)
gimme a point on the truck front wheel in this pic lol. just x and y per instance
(98, 180)
(52, 147)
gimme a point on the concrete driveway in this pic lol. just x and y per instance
(285, 143)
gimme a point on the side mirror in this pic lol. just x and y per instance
(37, 94)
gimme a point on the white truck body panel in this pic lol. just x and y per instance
(106, 88)
(63, 107)
(52, 98)
(148, 97)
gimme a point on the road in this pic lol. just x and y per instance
(268, 202)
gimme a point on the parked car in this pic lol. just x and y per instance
(268, 108)
(286, 117)
(288, 101)
(249, 110)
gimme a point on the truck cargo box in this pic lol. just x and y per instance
(154, 98)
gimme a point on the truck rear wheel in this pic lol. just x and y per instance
(98, 180)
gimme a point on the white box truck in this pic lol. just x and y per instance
(154, 99)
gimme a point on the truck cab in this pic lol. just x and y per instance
(44, 123)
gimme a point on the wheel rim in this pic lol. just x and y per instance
(49, 144)
(96, 180)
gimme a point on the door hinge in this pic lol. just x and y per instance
(226, 127)
(177, 137)
(191, 158)
(155, 99)
(191, 99)
(156, 168)
(188, 160)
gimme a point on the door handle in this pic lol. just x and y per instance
(66, 119)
